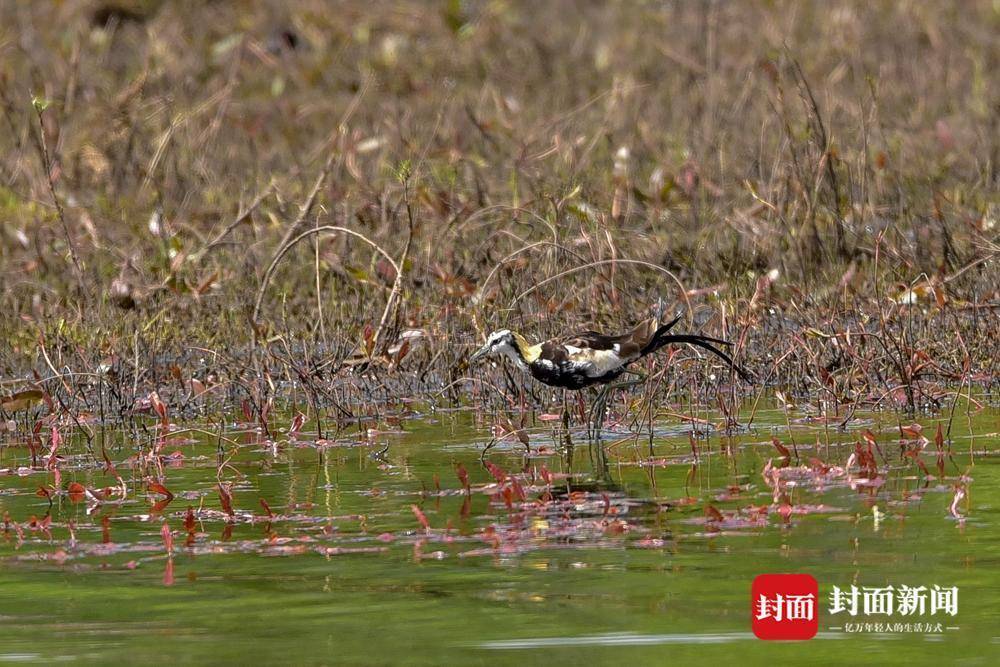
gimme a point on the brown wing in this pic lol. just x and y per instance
(587, 340)
(578, 348)
(627, 346)
(635, 341)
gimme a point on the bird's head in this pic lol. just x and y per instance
(503, 341)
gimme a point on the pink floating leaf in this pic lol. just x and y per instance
(959, 497)
(168, 537)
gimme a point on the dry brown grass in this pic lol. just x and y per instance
(783, 171)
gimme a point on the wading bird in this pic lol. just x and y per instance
(591, 358)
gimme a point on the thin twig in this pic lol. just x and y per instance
(306, 234)
(287, 241)
(240, 217)
(47, 165)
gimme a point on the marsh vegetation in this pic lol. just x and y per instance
(247, 251)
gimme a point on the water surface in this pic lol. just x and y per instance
(630, 554)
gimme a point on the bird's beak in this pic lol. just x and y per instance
(480, 353)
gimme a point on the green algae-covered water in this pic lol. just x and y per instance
(635, 552)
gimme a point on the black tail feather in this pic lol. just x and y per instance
(652, 345)
(659, 340)
(702, 342)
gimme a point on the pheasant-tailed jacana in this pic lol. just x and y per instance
(591, 358)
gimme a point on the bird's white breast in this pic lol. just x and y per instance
(594, 363)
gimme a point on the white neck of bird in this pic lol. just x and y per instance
(512, 354)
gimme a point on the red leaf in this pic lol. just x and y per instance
(517, 489)
(105, 529)
(402, 352)
(267, 508)
(189, 521)
(498, 474)
(508, 497)
(421, 517)
(869, 437)
(55, 440)
(297, 423)
(463, 476)
(913, 431)
(939, 438)
(77, 492)
(197, 387)
(782, 450)
(915, 455)
(109, 467)
(226, 498)
(546, 475)
(818, 466)
(159, 506)
(713, 514)
(160, 408)
(156, 487)
(368, 337)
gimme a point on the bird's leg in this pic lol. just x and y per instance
(639, 379)
(565, 411)
(565, 421)
(599, 461)
(569, 457)
(597, 413)
(601, 402)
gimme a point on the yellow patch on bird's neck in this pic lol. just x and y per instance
(528, 351)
